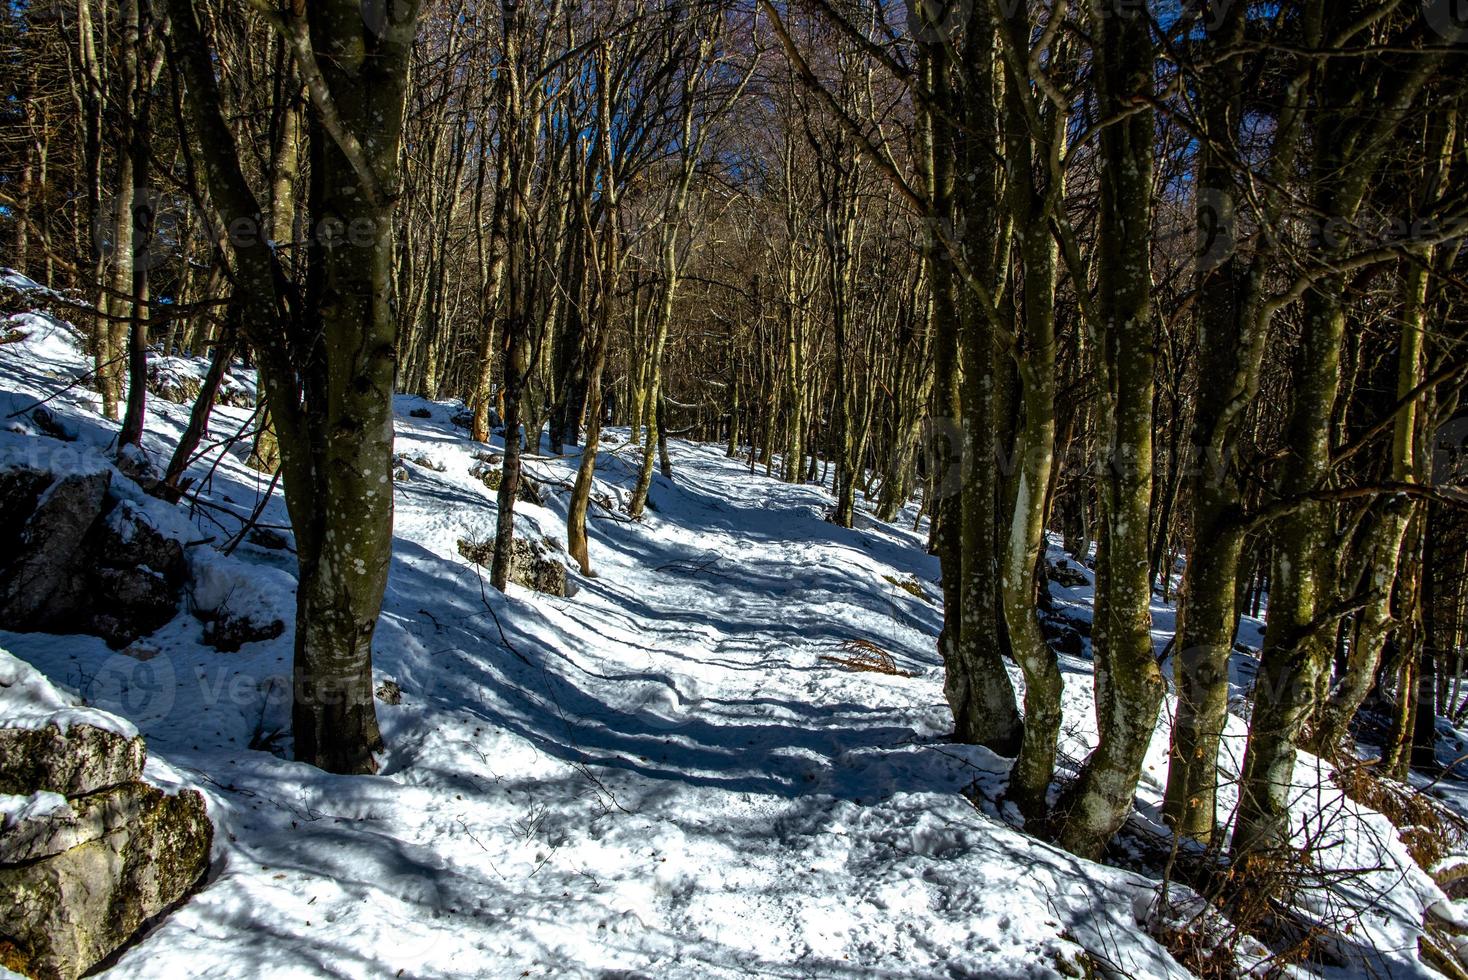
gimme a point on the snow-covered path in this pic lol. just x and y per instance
(657, 777)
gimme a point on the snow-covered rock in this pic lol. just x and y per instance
(88, 851)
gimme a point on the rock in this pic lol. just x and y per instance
(142, 850)
(479, 552)
(134, 464)
(89, 853)
(41, 587)
(179, 387)
(527, 491)
(1065, 634)
(423, 461)
(1063, 639)
(270, 540)
(37, 827)
(421, 413)
(388, 692)
(181, 379)
(533, 565)
(20, 489)
(142, 652)
(50, 424)
(82, 560)
(228, 632)
(126, 539)
(1066, 574)
(464, 419)
(80, 760)
(132, 602)
(57, 828)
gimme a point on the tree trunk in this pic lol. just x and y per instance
(1129, 685)
(976, 684)
(328, 375)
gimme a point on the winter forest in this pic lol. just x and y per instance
(713, 488)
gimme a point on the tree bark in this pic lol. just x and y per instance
(1129, 685)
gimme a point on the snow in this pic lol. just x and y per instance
(254, 592)
(28, 700)
(16, 809)
(658, 777)
(181, 374)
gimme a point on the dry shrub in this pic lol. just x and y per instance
(1429, 829)
(1240, 907)
(1199, 953)
(1244, 920)
(911, 586)
(1283, 909)
(867, 657)
(1437, 950)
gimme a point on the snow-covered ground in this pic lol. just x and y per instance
(658, 777)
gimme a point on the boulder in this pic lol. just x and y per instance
(526, 491)
(81, 759)
(1062, 638)
(132, 602)
(181, 379)
(42, 585)
(228, 632)
(89, 853)
(75, 559)
(20, 489)
(167, 380)
(533, 564)
(1066, 574)
(264, 537)
(137, 851)
(423, 460)
(59, 824)
(51, 424)
(126, 539)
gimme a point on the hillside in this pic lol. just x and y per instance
(671, 773)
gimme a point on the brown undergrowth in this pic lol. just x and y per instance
(866, 657)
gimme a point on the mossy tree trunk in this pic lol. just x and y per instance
(1297, 643)
(1129, 685)
(327, 352)
(1232, 325)
(1032, 127)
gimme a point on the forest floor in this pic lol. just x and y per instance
(667, 775)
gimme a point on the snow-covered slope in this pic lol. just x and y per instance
(661, 776)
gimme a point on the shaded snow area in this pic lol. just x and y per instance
(658, 777)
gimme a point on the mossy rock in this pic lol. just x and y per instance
(80, 760)
(62, 914)
(526, 491)
(533, 564)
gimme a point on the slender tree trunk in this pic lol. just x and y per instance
(193, 433)
(1129, 685)
(1034, 448)
(975, 682)
(1296, 646)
